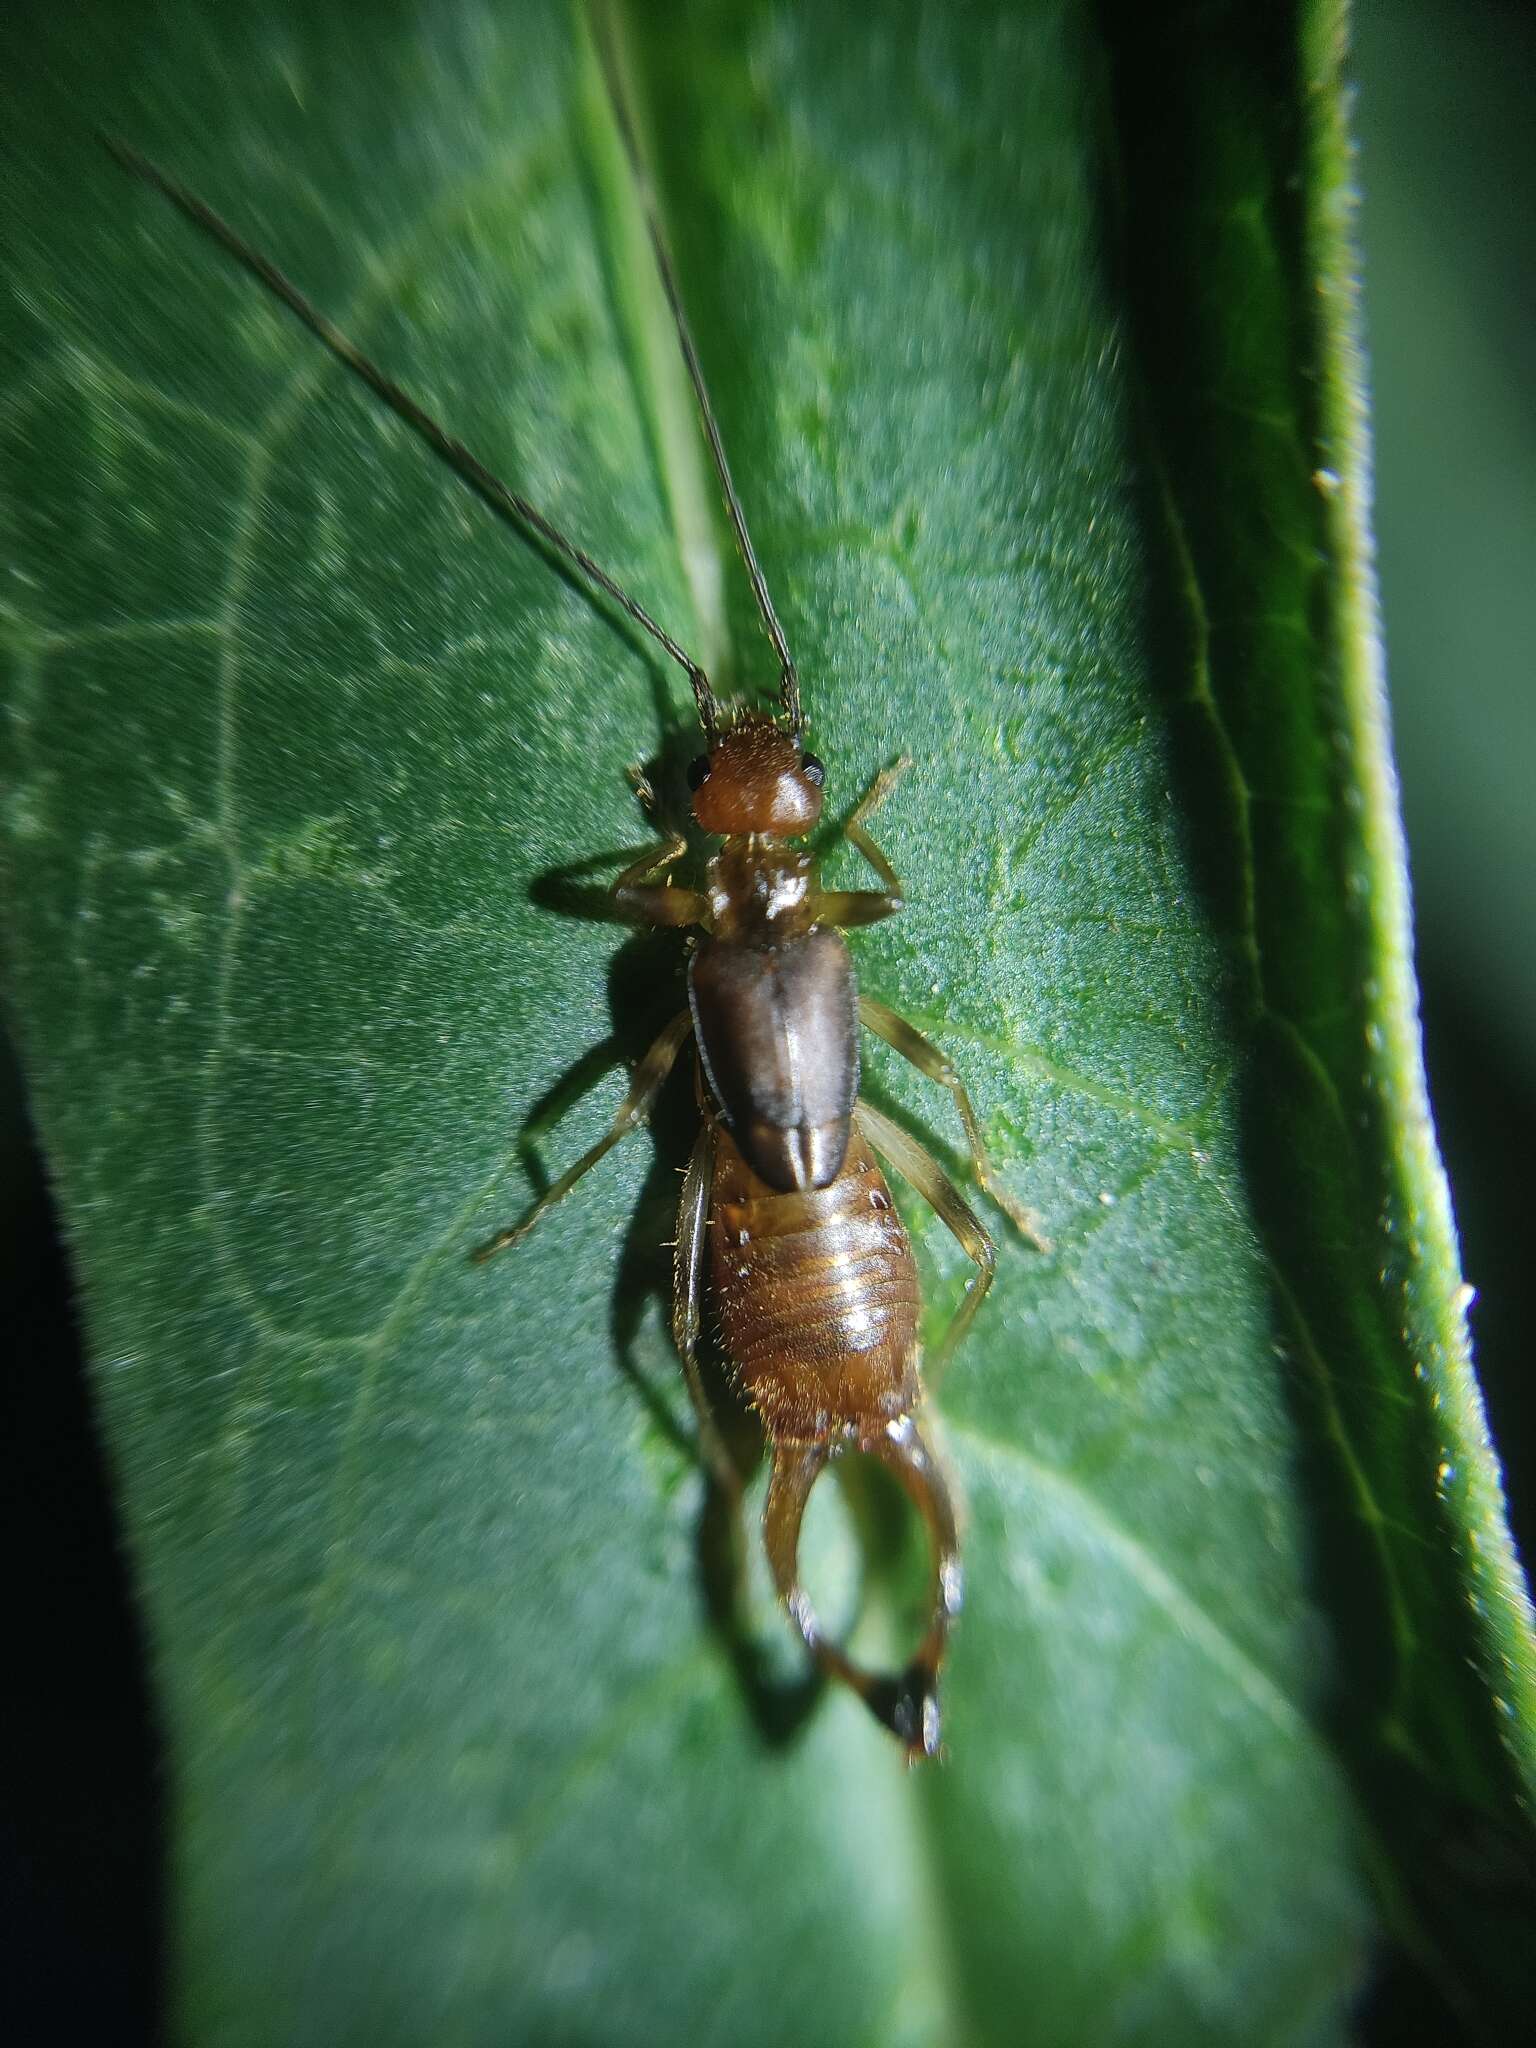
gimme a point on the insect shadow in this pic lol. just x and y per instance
(644, 984)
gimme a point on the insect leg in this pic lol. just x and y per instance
(687, 1293)
(917, 1165)
(868, 804)
(637, 892)
(867, 906)
(927, 1058)
(633, 1111)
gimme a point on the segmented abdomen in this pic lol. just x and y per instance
(816, 1294)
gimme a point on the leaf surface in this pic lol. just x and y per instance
(304, 742)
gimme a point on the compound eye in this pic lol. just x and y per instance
(697, 770)
(813, 770)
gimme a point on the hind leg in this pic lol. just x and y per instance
(919, 1166)
(687, 1298)
(886, 1023)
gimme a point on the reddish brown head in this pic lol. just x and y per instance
(756, 779)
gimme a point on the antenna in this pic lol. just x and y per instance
(499, 496)
(789, 681)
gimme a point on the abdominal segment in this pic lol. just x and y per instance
(817, 1297)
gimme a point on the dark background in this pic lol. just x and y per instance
(1448, 170)
(1448, 165)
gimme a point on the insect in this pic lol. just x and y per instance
(786, 1223)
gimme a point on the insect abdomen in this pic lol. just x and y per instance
(817, 1296)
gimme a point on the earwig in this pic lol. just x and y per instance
(786, 1223)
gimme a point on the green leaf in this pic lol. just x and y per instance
(1032, 336)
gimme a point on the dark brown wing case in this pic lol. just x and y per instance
(777, 1032)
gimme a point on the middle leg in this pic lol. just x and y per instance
(633, 1111)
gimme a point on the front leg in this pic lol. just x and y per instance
(638, 893)
(867, 906)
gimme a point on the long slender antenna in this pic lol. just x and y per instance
(789, 681)
(499, 496)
